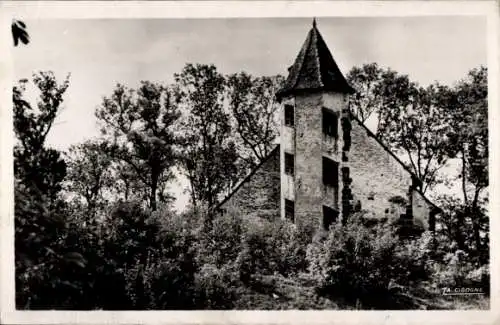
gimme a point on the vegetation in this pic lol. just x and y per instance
(95, 228)
(431, 128)
(426, 125)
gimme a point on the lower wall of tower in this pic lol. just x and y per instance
(259, 194)
(308, 161)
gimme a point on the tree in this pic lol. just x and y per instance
(469, 134)
(209, 152)
(140, 128)
(36, 166)
(127, 186)
(414, 123)
(412, 120)
(253, 107)
(43, 260)
(468, 141)
(367, 100)
(89, 174)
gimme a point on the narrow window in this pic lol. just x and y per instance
(330, 216)
(290, 210)
(330, 122)
(330, 173)
(432, 221)
(289, 164)
(289, 117)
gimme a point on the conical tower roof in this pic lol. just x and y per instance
(314, 69)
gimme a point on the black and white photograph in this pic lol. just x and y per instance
(316, 161)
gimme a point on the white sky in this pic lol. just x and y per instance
(100, 53)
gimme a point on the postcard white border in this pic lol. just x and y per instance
(226, 9)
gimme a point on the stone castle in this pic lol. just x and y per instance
(328, 165)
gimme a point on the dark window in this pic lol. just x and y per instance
(289, 164)
(290, 210)
(289, 117)
(330, 216)
(330, 122)
(432, 221)
(330, 172)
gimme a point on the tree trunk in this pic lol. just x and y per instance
(459, 236)
(152, 195)
(476, 222)
(464, 176)
(91, 208)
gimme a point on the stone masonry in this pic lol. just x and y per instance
(308, 160)
(377, 177)
(259, 192)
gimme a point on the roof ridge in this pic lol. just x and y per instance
(316, 38)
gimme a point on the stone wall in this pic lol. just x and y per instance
(378, 179)
(287, 145)
(308, 161)
(333, 149)
(421, 210)
(259, 193)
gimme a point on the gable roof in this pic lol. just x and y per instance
(314, 69)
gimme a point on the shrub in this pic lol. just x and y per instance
(464, 227)
(366, 265)
(291, 248)
(456, 270)
(412, 257)
(216, 288)
(174, 278)
(270, 248)
(219, 240)
(154, 254)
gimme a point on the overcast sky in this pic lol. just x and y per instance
(100, 53)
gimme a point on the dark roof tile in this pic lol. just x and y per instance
(314, 69)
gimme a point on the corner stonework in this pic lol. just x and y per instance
(346, 180)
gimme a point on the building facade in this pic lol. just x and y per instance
(328, 165)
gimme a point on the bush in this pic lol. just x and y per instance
(136, 259)
(173, 280)
(457, 270)
(219, 240)
(365, 265)
(216, 288)
(270, 248)
(464, 227)
(412, 257)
